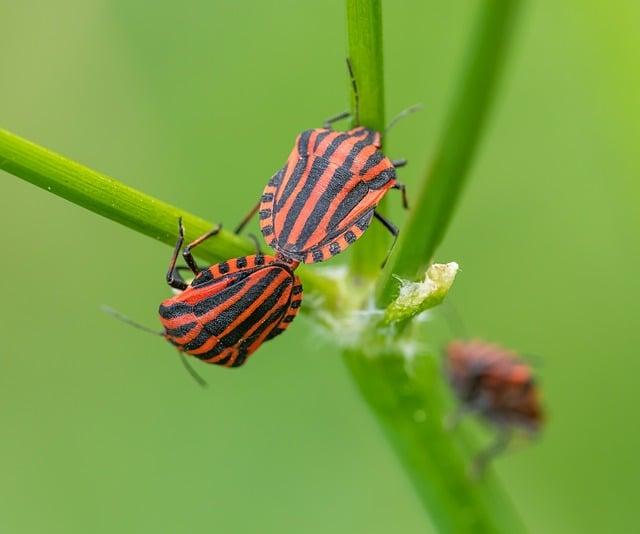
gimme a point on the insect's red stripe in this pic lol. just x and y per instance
(176, 322)
(373, 173)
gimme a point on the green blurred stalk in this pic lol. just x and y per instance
(411, 408)
(408, 397)
(448, 173)
(116, 201)
(364, 24)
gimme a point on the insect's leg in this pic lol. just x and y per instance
(247, 218)
(328, 122)
(186, 253)
(397, 163)
(393, 229)
(173, 278)
(256, 243)
(403, 189)
(483, 458)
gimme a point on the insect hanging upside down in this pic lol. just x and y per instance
(230, 308)
(496, 384)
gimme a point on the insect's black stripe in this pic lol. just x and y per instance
(181, 331)
(374, 159)
(258, 313)
(325, 205)
(311, 179)
(334, 248)
(198, 341)
(319, 139)
(317, 255)
(267, 197)
(218, 300)
(297, 170)
(382, 179)
(274, 318)
(241, 262)
(297, 289)
(223, 267)
(229, 314)
(265, 214)
(346, 206)
(350, 237)
(296, 304)
(175, 310)
(275, 180)
(275, 332)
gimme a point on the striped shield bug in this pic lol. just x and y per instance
(229, 309)
(325, 196)
(498, 385)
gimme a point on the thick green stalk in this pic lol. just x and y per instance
(364, 21)
(411, 408)
(409, 399)
(112, 199)
(440, 192)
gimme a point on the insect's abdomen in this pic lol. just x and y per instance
(226, 320)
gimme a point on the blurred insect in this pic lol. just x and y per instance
(498, 385)
(229, 309)
(325, 197)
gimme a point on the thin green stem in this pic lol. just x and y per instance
(364, 21)
(447, 176)
(112, 199)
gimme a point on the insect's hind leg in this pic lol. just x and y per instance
(393, 230)
(173, 278)
(403, 189)
(483, 458)
(186, 253)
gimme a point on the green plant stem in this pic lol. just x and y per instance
(409, 399)
(411, 408)
(112, 199)
(440, 192)
(364, 21)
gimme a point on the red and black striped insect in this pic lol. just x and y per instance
(325, 197)
(498, 385)
(229, 309)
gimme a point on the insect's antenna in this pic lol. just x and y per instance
(402, 115)
(131, 322)
(194, 374)
(356, 96)
(115, 313)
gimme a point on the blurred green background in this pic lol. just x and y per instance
(198, 103)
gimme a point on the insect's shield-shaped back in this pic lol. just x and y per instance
(415, 297)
